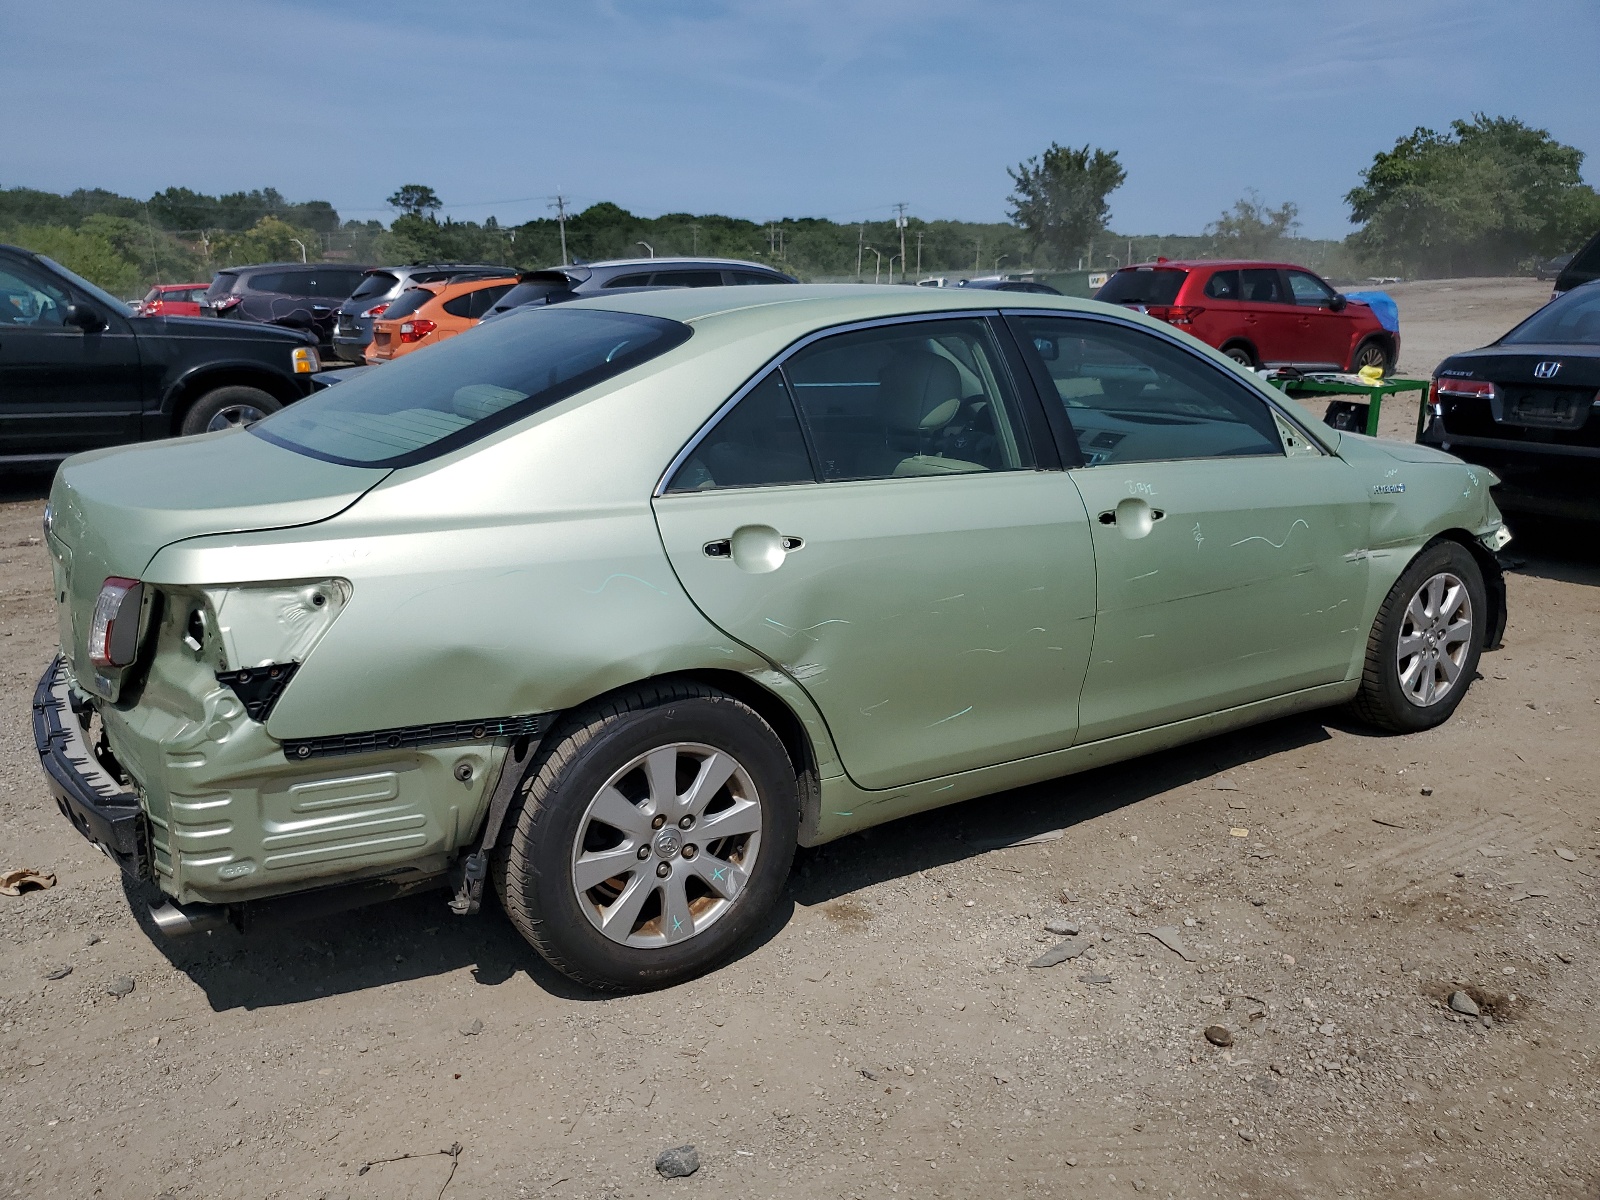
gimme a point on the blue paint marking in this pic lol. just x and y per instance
(676, 924)
(717, 874)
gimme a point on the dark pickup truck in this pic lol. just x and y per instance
(79, 371)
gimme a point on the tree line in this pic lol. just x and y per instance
(1490, 195)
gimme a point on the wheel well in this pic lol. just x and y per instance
(197, 385)
(1386, 340)
(1240, 344)
(1494, 582)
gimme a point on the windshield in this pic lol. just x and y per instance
(1573, 319)
(94, 290)
(1142, 285)
(423, 405)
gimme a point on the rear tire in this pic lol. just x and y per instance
(1374, 352)
(691, 870)
(1242, 355)
(1424, 646)
(233, 407)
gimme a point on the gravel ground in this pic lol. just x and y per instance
(1327, 891)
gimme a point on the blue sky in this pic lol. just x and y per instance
(770, 108)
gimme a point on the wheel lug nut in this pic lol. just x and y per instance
(690, 850)
(663, 870)
(658, 821)
(686, 823)
(644, 852)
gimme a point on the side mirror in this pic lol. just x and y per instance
(1338, 303)
(81, 316)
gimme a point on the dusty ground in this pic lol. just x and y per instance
(886, 1037)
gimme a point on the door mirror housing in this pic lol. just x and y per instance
(1338, 303)
(81, 316)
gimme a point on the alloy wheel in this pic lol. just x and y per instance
(666, 847)
(1435, 638)
(234, 416)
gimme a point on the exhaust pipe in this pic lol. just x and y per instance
(175, 921)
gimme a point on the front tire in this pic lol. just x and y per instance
(1243, 355)
(1423, 651)
(232, 407)
(1373, 352)
(652, 839)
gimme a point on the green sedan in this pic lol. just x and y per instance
(608, 606)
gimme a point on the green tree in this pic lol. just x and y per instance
(415, 199)
(268, 240)
(1060, 198)
(88, 252)
(1252, 230)
(1486, 197)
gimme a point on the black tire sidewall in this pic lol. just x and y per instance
(1241, 355)
(1386, 362)
(571, 940)
(1442, 556)
(211, 403)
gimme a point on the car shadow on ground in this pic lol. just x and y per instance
(1550, 548)
(18, 484)
(418, 937)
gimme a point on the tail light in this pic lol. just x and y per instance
(415, 331)
(1480, 389)
(114, 629)
(376, 310)
(226, 304)
(1175, 314)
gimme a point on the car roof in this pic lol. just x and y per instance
(1190, 264)
(675, 260)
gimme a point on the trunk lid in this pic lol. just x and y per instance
(111, 510)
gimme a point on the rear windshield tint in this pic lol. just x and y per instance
(1572, 319)
(378, 283)
(408, 303)
(1142, 285)
(423, 405)
(221, 284)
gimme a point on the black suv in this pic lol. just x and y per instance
(381, 287)
(297, 295)
(78, 370)
(1582, 267)
(553, 284)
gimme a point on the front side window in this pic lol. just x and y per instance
(1263, 285)
(919, 398)
(626, 281)
(685, 279)
(746, 278)
(423, 405)
(1131, 396)
(1309, 291)
(29, 298)
(756, 444)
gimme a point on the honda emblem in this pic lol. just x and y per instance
(1546, 370)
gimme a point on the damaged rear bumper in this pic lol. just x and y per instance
(98, 806)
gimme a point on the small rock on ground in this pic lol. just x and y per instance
(1219, 1035)
(472, 1028)
(120, 986)
(1462, 1003)
(1062, 928)
(678, 1162)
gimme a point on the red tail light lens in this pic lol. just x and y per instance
(415, 331)
(114, 628)
(1175, 314)
(376, 310)
(227, 304)
(1481, 389)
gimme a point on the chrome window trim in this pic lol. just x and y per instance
(1267, 394)
(777, 361)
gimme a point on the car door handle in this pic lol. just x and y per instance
(1133, 517)
(754, 548)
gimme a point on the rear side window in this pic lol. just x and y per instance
(337, 283)
(757, 444)
(1142, 285)
(284, 283)
(474, 304)
(684, 279)
(423, 405)
(1223, 285)
(751, 277)
(1262, 285)
(375, 284)
(1131, 396)
(630, 281)
(919, 398)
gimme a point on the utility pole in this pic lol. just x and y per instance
(561, 221)
(977, 258)
(900, 223)
(919, 254)
(696, 229)
(861, 237)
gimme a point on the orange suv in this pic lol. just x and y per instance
(433, 312)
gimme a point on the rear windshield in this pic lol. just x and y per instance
(1142, 285)
(1572, 319)
(377, 283)
(221, 284)
(424, 405)
(526, 293)
(408, 303)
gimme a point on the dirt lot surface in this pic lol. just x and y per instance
(1324, 891)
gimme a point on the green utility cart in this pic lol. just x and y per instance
(1358, 415)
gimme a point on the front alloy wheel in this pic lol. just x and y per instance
(1435, 638)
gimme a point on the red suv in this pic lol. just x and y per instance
(1258, 313)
